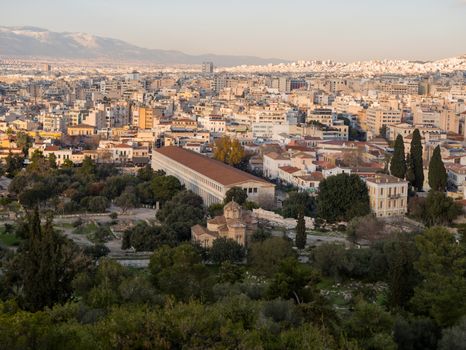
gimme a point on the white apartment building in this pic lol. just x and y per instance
(273, 161)
(263, 130)
(53, 122)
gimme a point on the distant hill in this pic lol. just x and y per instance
(32, 41)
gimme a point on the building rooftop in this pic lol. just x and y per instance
(211, 168)
(385, 179)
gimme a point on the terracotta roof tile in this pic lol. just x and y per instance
(211, 168)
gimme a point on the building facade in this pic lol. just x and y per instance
(210, 178)
(388, 195)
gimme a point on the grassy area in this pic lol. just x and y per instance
(85, 229)
(9, 239)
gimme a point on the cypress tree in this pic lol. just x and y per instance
(416, 158)
(398, 162)
(410, 170)
(437, 172)
(46, 266)
(301, 232)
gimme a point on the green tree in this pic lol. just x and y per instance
(146, 173)
(14, 163)
(46, 266)
(96, 204)
(165, 187)
(437, 172)
(67, 164)
(178, 271)
(294, 281)
(301, 236)
(439, 209)
(330, 259)
(215, 209)
(52, 159)
(224, 249)
(32, 197)
(237, 194)
(416, 334)
(127, 199)
(398, 162)
(401, 254)
(342, 197)
(296, 203)
(264, 257)
(410, 176)
(442, 264)
(371, 326)
(416, 160)
(144, 237)
(88, 168)
(178, 215)
(38, 163)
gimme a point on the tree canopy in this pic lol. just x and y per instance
(398, 162)
(437, 172)
(342, 197)
(417, 161)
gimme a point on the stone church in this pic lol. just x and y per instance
(236, 223)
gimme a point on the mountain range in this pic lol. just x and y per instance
(39, 42)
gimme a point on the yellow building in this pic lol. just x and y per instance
(81, 130)
(145, 119)
(388, 195)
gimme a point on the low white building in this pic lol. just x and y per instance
(273, 161)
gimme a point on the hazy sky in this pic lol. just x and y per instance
(344, 30)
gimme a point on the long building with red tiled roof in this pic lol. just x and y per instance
(210, 178)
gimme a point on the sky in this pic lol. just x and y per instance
(342, 30)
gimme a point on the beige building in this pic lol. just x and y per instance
(405, 130)
(376, 117)
(235, 223)
(210, 178)
(388, 195)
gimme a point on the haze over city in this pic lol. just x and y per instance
(297, 29)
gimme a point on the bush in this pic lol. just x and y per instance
(96, 251)
(225, 249)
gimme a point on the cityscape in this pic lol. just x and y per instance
(154, 195)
